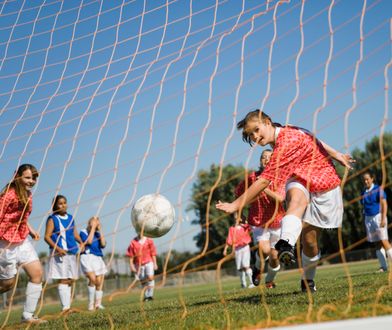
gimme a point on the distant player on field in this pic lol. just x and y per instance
(375, 208)
(143, 262)
(63, 238)
(92, 263)
(238, 239)
(265, 216)
(302, 164)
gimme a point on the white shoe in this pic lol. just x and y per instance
(91, 308)
(99, 307)
(251, 286)
(33, 319)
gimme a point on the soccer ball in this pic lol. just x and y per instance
(152, 215)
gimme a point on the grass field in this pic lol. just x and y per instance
(363, 294)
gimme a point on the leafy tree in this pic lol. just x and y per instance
(219, 223)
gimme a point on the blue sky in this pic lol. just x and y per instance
(116, 99)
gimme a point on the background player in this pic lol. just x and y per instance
(264, 217)
(92, 263)
(238, 239)
(375, 209)
(143, 262)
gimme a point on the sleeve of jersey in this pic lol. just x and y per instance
(229, 239)
(83, 236)
(153, 249)
(130, 252)
(4, 203)
(239, 190)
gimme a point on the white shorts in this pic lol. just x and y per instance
(90, 263)
(374, 232)
(12, 255)
(145, 270)
(325, 210)
(63, 267)
(266, 234)
(242, 257)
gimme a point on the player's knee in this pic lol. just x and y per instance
(6, 285)
(151, 283)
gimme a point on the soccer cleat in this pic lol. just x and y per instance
(286, 252)
(270, 285)
(256, 276)
(99, 306)
(251, 286)
(311, 284)
(382, 270)
(33, 320)
(148, 298)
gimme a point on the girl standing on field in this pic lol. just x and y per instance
(91, 261)
(15, 248)
(238, 239)
(142, 255)
(62, 237)
(301, 164)
(374, 201)
(264, 217)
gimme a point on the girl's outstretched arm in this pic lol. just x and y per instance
(250, 194)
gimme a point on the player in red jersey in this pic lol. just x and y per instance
(302, 165)
(16, 249)
(143, 262)
(264, 217)
(239, 239)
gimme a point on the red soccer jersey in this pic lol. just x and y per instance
(265, 210)
(13, 217)
(238, 236)
(142, 253)
(296, 155)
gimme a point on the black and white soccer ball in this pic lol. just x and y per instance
(153, 215)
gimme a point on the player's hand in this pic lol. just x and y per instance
(224, 253)
(346, 160)
(155, 267)
(35, 235)
(60, 252)
(226, 207)
(383, 223)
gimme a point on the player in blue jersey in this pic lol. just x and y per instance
(375, 208)
(63, 238)
(92, 263)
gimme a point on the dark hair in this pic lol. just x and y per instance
(370, 173)
(255, 114)
(55, 201)
(22, 194)
(261, 168)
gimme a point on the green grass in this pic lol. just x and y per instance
(204, 307)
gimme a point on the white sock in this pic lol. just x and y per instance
(150, 289)
(271, 273)
(91, 296)
(389, 254)
(33, 293)
(249, 274)
(382, 259)
(309, 265)
(243, 278)
(291, 228)
(98, 298)
(65, 295)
